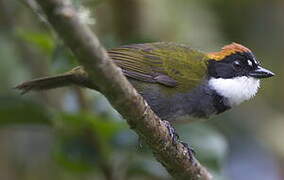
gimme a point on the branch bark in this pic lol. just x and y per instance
(172, 154)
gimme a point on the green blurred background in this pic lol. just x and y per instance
(73, 133)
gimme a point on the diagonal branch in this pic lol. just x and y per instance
(173, 155)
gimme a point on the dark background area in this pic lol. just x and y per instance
(73, 133)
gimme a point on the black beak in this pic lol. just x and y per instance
(260, 72)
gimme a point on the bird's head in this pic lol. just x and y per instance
(236, 60)
(234, 73)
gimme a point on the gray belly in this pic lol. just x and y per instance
(198, 103)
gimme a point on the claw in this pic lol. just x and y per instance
(190, 150)
(175, 138)
(172, 131)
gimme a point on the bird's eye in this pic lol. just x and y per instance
(237, 65)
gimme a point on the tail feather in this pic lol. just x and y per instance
(46, 83)
(76, 76)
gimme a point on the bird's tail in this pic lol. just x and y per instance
(76, 76)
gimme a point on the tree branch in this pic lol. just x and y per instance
(173, 155)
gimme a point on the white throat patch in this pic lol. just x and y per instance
(237, 89)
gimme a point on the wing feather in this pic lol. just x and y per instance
(169, 64)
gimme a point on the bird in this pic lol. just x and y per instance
(178, 82)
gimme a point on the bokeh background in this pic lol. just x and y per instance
(72, 133)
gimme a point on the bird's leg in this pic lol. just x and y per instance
(175, 138)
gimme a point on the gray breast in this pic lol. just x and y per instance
(198, 103)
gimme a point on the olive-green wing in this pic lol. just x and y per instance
(169, 64)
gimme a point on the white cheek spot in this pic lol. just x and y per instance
(249, 63)
(236, 90)
(255, 61)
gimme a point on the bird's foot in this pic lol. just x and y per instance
(174, 136)
(190, 150)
